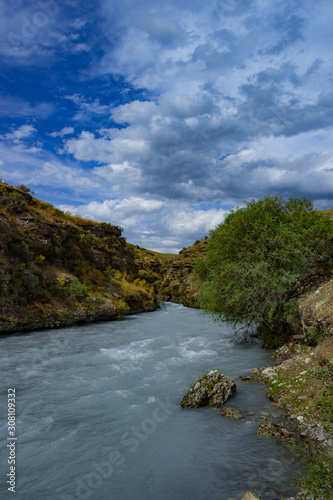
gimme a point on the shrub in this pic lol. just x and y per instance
(25, 189)
(262, 258)
(19, 249)
(13, 202)
(77, 289)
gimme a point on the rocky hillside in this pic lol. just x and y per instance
(58, 270)
(179, 283)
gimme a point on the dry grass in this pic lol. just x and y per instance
(325, 352)
(320, 303)
(304, 384)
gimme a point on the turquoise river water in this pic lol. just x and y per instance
(98, 415)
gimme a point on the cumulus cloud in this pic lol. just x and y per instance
(158, 224)
(178, 106)
(23, 132)
(62, 175)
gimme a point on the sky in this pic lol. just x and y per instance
(160, 116)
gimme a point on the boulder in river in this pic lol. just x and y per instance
(213, 389)
(269, 429)
(249, 496)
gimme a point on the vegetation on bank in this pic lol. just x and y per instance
(302, 383)
(267, 268)
(261, 260)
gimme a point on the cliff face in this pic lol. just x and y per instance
(179, 283)
(58, 270)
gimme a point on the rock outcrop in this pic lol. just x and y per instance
(179, 282)
(249, 496)
(213, 389)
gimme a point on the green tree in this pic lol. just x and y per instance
(261, 259)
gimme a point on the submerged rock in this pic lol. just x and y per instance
(269, 429)
(232, 413)
(249, 496)
(213, 389)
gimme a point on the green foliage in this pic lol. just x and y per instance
(201, 269)
(315, 334)
(319, 479)
(13, 202)
(55, 238)
(40, 259)
(25, 189)
(20, 250)
(262, 258)
(77, 289)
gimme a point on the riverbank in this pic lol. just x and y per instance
(300, 382)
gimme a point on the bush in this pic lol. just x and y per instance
(19, 249)
(77, 289)
(25, 189)
(262, 258)
(13, 203)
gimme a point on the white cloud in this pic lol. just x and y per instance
(64, 131)
(23, 132)
(156, 224)
(232, 100)
(14, 107)
(80, 47)
(87, 107)
(68, 177)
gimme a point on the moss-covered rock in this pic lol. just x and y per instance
(232, 413)
(213, 389)
(269, 429)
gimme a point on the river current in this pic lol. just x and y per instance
(98, 415)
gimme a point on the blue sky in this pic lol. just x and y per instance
(160, 116)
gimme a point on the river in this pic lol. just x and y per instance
(98, 415)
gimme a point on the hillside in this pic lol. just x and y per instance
(58, 270)
(179, 283)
